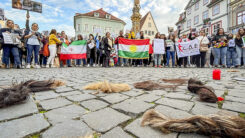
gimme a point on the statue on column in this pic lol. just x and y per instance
(136, 17)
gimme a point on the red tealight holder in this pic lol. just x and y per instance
(216, 74)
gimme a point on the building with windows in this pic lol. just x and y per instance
(236, 15)
(148, 26)
(97, 21)
(204, 14)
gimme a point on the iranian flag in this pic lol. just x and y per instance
(76, 50)
(133, 49)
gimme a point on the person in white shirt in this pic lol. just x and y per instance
(200, 59)
(33, 42)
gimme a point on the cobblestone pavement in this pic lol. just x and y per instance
(70, 111)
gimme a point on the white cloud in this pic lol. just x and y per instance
(69, 30)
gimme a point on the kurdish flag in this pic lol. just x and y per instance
(133, 49)
(76, 50)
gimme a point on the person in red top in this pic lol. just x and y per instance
(150, 53)
(121, 61)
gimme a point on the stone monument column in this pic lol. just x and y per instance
(136, 17)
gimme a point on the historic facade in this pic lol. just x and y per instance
(204, 14)
(97, 21)
(148, 26)
(236, 15)
(136, 17)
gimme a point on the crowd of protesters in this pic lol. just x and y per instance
(220, 50)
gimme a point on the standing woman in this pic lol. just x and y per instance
(79, 61)
(91, 51)
(200, 59)
(240, 46)
(33, 42)
(220, 48)
(53, 40)
(10, 48)
(108, 43)
(170, 48)
(157, 57)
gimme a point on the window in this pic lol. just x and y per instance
(78, 27)
(94, 29)
(196, 19)
(149, 24)
(149, 18)
(240, 17)
(197, 6)
(216, 26)
(96, 14)
(189, 23)
(189, 11)
(108, 16)
(216, 9)
(205, 15)
(205, 2)
(149, 33)
(145, 31)
(86, 28)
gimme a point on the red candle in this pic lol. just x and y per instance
(216, 74)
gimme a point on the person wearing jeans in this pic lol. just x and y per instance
(10, 48)
(52, 48)
(170, 50)
(240, 46)
(220, 48)
(33, 41)
(231, 57)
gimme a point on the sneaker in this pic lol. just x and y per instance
(155, 66)
(94, 65)
(160, 66)
(28, 66)
(88, 65)
(47, 66)
(37, 66)
(122, 65)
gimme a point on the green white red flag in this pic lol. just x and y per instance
(76, 50)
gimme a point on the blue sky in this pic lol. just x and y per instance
(59, 14)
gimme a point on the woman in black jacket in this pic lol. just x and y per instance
(220, 48)
(107, 46)
(240, 46)
(10, 47)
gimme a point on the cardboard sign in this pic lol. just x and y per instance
(159, 47)
(27, 5)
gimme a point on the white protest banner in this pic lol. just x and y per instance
(186, 49)
(7, 37)
(159, 47)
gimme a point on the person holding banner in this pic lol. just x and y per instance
(200, 59)
(91, 51)
(240, 46)
(79, 61)
(53, 40)
(183, 59)
(11, 39)
(33, 42)
(220, 47)
(121, 61)
(159, 49)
